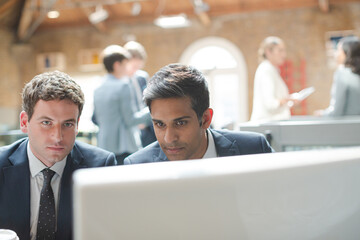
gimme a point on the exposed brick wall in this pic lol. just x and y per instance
(303, 31)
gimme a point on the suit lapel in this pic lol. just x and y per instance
(17, 186)
(224, 146)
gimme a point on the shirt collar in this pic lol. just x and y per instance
(37, 166)
(211, 150)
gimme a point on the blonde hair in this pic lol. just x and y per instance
(268, 44)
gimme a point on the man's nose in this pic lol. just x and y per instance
(171, 135)
(57, 133)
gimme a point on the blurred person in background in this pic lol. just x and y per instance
(271, 96)
(345, 91)
(113, 107)
(138, 82)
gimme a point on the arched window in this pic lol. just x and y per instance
(224, 67)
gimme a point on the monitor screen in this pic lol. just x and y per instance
(291, 195)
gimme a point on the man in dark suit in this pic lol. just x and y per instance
(52, 105)
(178, 99)
(138, 82)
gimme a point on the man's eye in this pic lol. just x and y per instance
(46, 123)
(181, 123)
(69, 124)
(159, 124)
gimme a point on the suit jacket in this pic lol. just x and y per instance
(116, 116)
(345, 94)
(147, 133)
(227, 143)
(15, 186)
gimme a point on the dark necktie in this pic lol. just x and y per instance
(47, 220)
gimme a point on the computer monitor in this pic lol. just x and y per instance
(293, 195)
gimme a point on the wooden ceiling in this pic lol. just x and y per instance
(28, 16)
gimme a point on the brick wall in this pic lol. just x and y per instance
(303, 31)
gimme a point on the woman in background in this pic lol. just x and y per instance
(271, 96)
(345, 91)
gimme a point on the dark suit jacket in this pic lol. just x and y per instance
(147, 134)
(15, 186)
(227, 143)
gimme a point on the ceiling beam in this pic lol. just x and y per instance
(324, 5)
(7, 6)
(204, 18)
(28, 23)
(201, 8)
(25, 20)
(91, 3)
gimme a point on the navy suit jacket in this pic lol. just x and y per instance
(227, 143)
(15, 186)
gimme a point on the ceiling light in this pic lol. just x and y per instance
(53, 14)
(99, 15)
(173, 21)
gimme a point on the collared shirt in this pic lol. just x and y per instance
(36, 184)
(211, 150)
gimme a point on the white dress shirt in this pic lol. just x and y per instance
(211, 149)
(36, 184)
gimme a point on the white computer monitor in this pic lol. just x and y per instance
(294, 195)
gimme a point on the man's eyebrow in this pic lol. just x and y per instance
(174, 120)
(50, 119)
(70, 120)
(44, 118)
(181, 118)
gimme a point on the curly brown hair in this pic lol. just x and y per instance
(49, 86)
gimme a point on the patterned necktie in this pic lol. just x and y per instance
(47, 220)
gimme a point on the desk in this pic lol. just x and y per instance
(308, 132)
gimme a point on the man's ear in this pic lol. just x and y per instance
(24, 120)
(206, 118)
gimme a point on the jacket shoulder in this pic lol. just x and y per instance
(8, 150)
(92, 156)
(146, 155)
(247, 142)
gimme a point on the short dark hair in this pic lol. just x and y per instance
(51, 86)
(112, 54)
(177, 81)
(351, 47)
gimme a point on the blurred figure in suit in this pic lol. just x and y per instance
(138, 81)
(113, 107)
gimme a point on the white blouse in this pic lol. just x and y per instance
(269, 89)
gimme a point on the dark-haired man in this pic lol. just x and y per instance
(178, 99)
